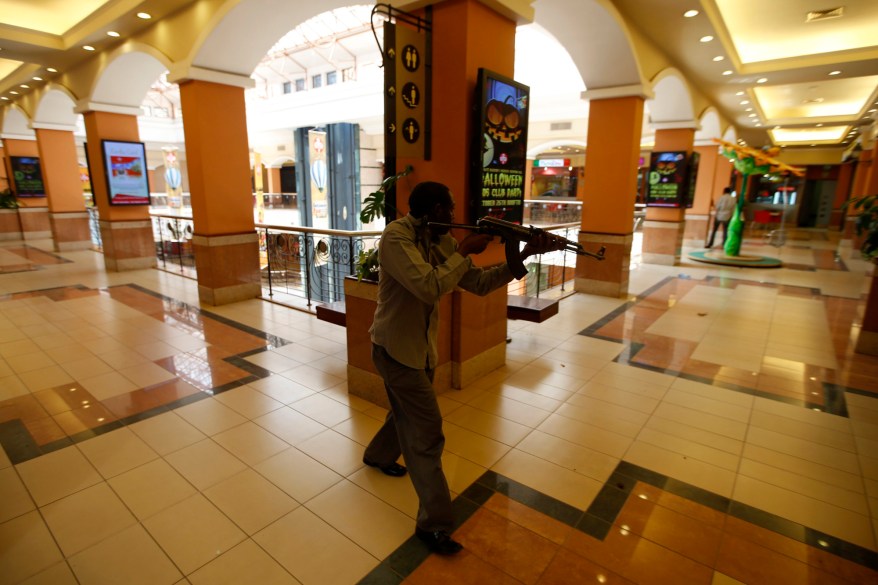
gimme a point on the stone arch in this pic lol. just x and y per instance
(56, 107)
(591, 30)
(673, 99)
(543, 147)
(128, 75)
(16, 124)
(279, 162)
(229, 45)
(709, 127)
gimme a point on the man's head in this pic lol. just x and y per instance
(727, 191)
(432, 200)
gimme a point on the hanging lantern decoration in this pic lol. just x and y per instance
(318, 174)
(173, 177)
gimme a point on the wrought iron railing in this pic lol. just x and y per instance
(302, 266)
(309, 264)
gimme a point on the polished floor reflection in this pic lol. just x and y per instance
(715, 427)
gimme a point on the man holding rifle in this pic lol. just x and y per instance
(419, 264)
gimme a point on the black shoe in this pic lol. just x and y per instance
(392, 469)
(439, 542)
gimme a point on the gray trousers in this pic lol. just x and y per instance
(413, 427)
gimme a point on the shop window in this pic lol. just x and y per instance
(317, 80)
(348, 74)
(331, 77)
(288, 87)
(300, 84)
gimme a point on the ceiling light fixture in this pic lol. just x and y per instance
(13, 92)
(690, 13)
(706, 39)
(836, 72)
(740, 93)
(751, 115)
(88, 47)
(820, 124)
(4, 98)
(112, 33)
(51, 70)
(749, 110)
(762, 80)
(35, 78)
(727, 72)
(745, 102)
(24, 86)
(144, 15)
(718, 58)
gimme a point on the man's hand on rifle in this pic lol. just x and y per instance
(474, 243)
(541, 243)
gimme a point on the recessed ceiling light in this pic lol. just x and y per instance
(88, 47)
(51, 70)
(740, 93)
(873, 110)
(727, 72)
(718, 58)
(745, 102)
(13, 92)
(112, 33)
(762, 80)
(749, 110)
(35, 78)
(24, 86)
(144, 15)
(758, 123)
(706, 39)
(820, 124)
(690, 13)
(751, 115)
(4, 98)
(834, 72)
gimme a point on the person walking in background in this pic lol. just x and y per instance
(725, 207)
(418, 264)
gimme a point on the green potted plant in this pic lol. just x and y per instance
(374, 208)
(8, 200)
(866, 223)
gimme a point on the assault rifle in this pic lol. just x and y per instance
(512, 234)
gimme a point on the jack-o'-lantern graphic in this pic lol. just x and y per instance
(502, 121)
(666, 167)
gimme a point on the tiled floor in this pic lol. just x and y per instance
(715, 427)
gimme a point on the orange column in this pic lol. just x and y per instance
(33, 214)
(225, 242)
(10, 226)
(612, 154)
(126, 232)
(664, 227)
(67, 214)
(871, 186)
(467, 35)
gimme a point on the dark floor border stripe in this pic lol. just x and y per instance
(833, 394)
(598, 519)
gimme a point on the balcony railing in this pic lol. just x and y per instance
(302, 266)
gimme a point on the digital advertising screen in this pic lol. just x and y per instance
(27, 176)
(125, 166)
(668, 180)
(499, 153)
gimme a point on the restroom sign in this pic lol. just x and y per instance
(406, 92)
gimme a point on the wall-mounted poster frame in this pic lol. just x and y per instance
(27, 176)
(126, 171)
(499, 154)
(668, 179)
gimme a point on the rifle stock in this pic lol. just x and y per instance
(512, 234)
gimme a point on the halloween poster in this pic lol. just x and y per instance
(502, 157)
(668, 180)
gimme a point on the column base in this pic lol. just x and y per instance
(70, 231)
(607, 277)
(35, 223)
(663, 242)
(467, 372)
(228, 268)
(128, 245)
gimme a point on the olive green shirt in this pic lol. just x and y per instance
(415, 272)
